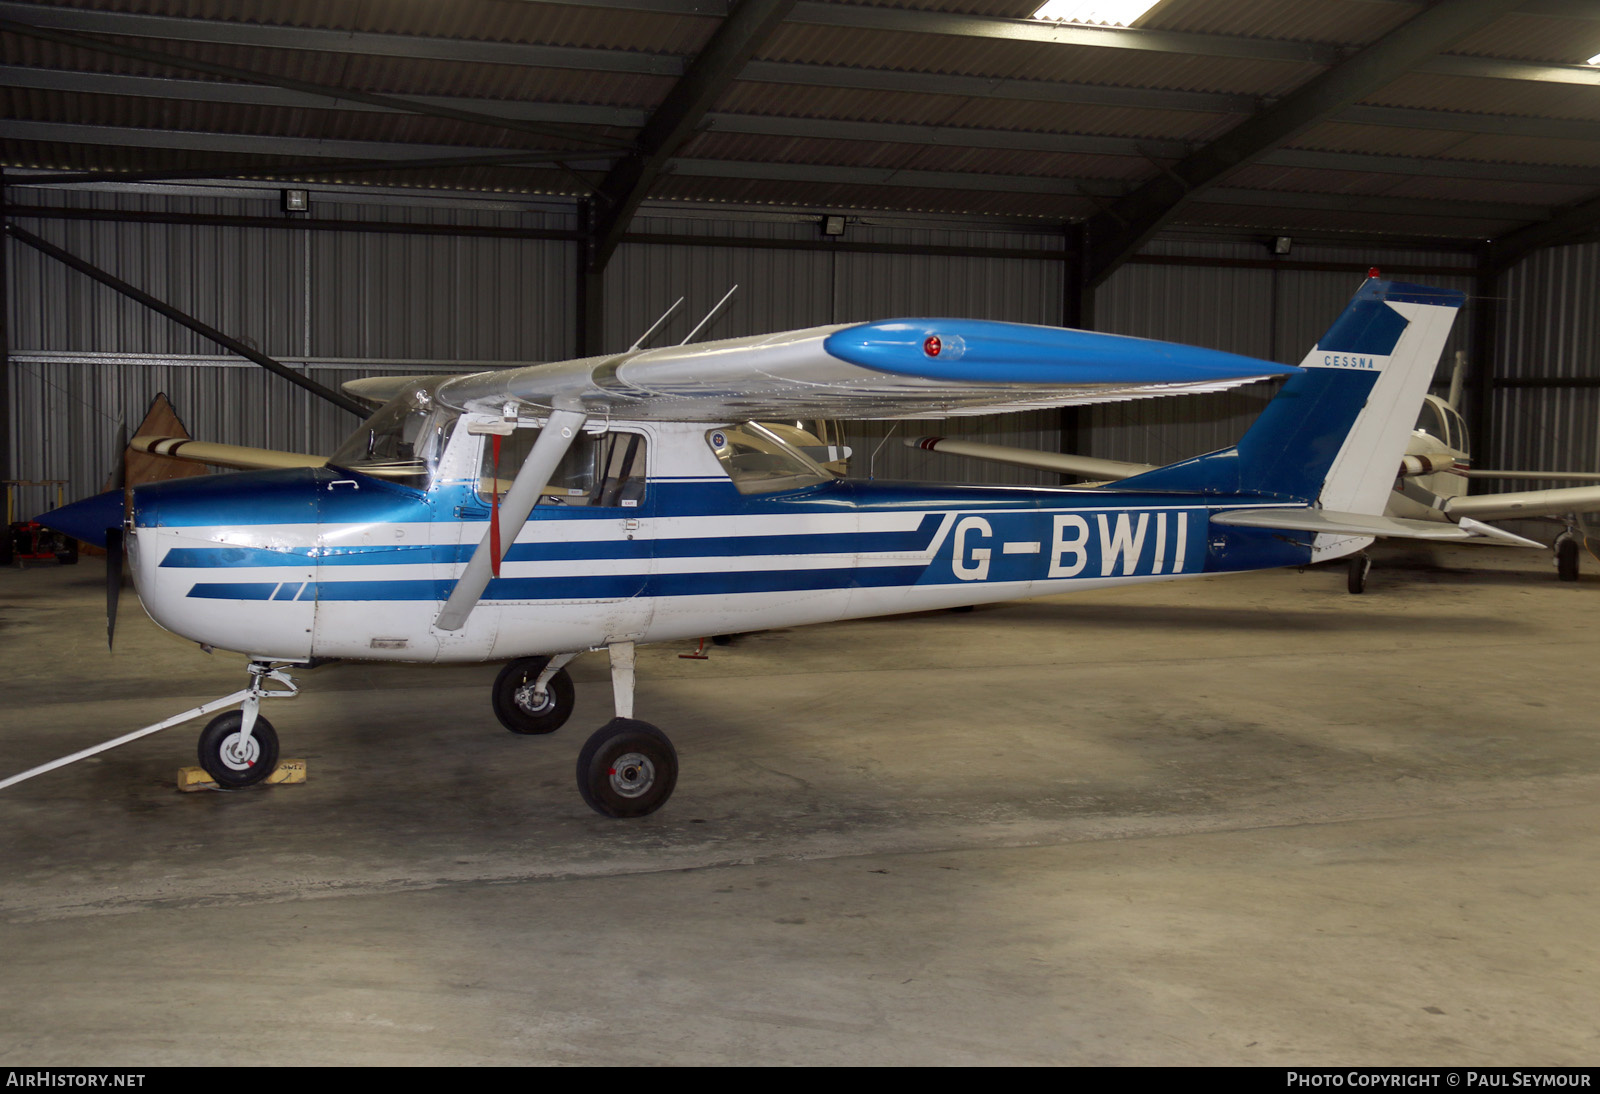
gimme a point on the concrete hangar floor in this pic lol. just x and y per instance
(1237, 820)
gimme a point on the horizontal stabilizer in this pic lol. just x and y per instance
(1362, 524)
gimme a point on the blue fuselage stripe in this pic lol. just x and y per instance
(606, 587)
(817, 543)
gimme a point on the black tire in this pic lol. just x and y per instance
(1356, 574)
(230, 771)
(67, 551)
(520, 716)
(628, 768)
(8, 547)
(1567, 559)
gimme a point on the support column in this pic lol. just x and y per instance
(1485, 336)
(1077, 310)
(7, 470)
(591, 288)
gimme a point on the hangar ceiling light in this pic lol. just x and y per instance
(1114, 13)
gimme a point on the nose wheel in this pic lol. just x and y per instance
(233, 759)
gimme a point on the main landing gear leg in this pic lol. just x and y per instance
(240, 748)
(627, 768)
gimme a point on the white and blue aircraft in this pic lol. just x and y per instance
(534, 513)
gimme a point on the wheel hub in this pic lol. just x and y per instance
(531, 702)
(632, 774)
(240, 755)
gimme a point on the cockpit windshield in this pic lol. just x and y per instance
(1443, 423)
(402, 442)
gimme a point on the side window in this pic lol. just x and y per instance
(606, 470)
(759, 461)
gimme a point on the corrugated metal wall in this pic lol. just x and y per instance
(86, 361)
(347, 304)
(1276, 314)
(1550, 331)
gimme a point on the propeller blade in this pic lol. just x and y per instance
(113, 580)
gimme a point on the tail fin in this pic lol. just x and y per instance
(1334, 435)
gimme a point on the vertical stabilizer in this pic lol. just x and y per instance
(1401, 343)
(1335, 433)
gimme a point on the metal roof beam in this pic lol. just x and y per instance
(244, 94)
(1375, 203)
(1576, 129)
(1568, 9)
(404, 155)
(263, 145)
(746, 29)
(161, 87)
(390, 102)
(317, 39)
(1494, 68)
(863, 17)
(1423, 167)
(1458, 121)
(1118, 232)
(256, 35)
(984, 87)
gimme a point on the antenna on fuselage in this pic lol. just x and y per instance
(701, 325)
(645, 337)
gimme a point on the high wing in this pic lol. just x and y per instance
(1524, 503)
(903, 368)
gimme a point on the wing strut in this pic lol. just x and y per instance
(554, 440)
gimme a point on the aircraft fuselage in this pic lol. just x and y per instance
(322, 562)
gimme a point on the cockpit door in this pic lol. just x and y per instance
(577, 571)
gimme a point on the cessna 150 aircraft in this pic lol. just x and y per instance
(645, 504)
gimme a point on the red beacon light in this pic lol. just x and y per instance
(1373, 271)
(931, 345)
